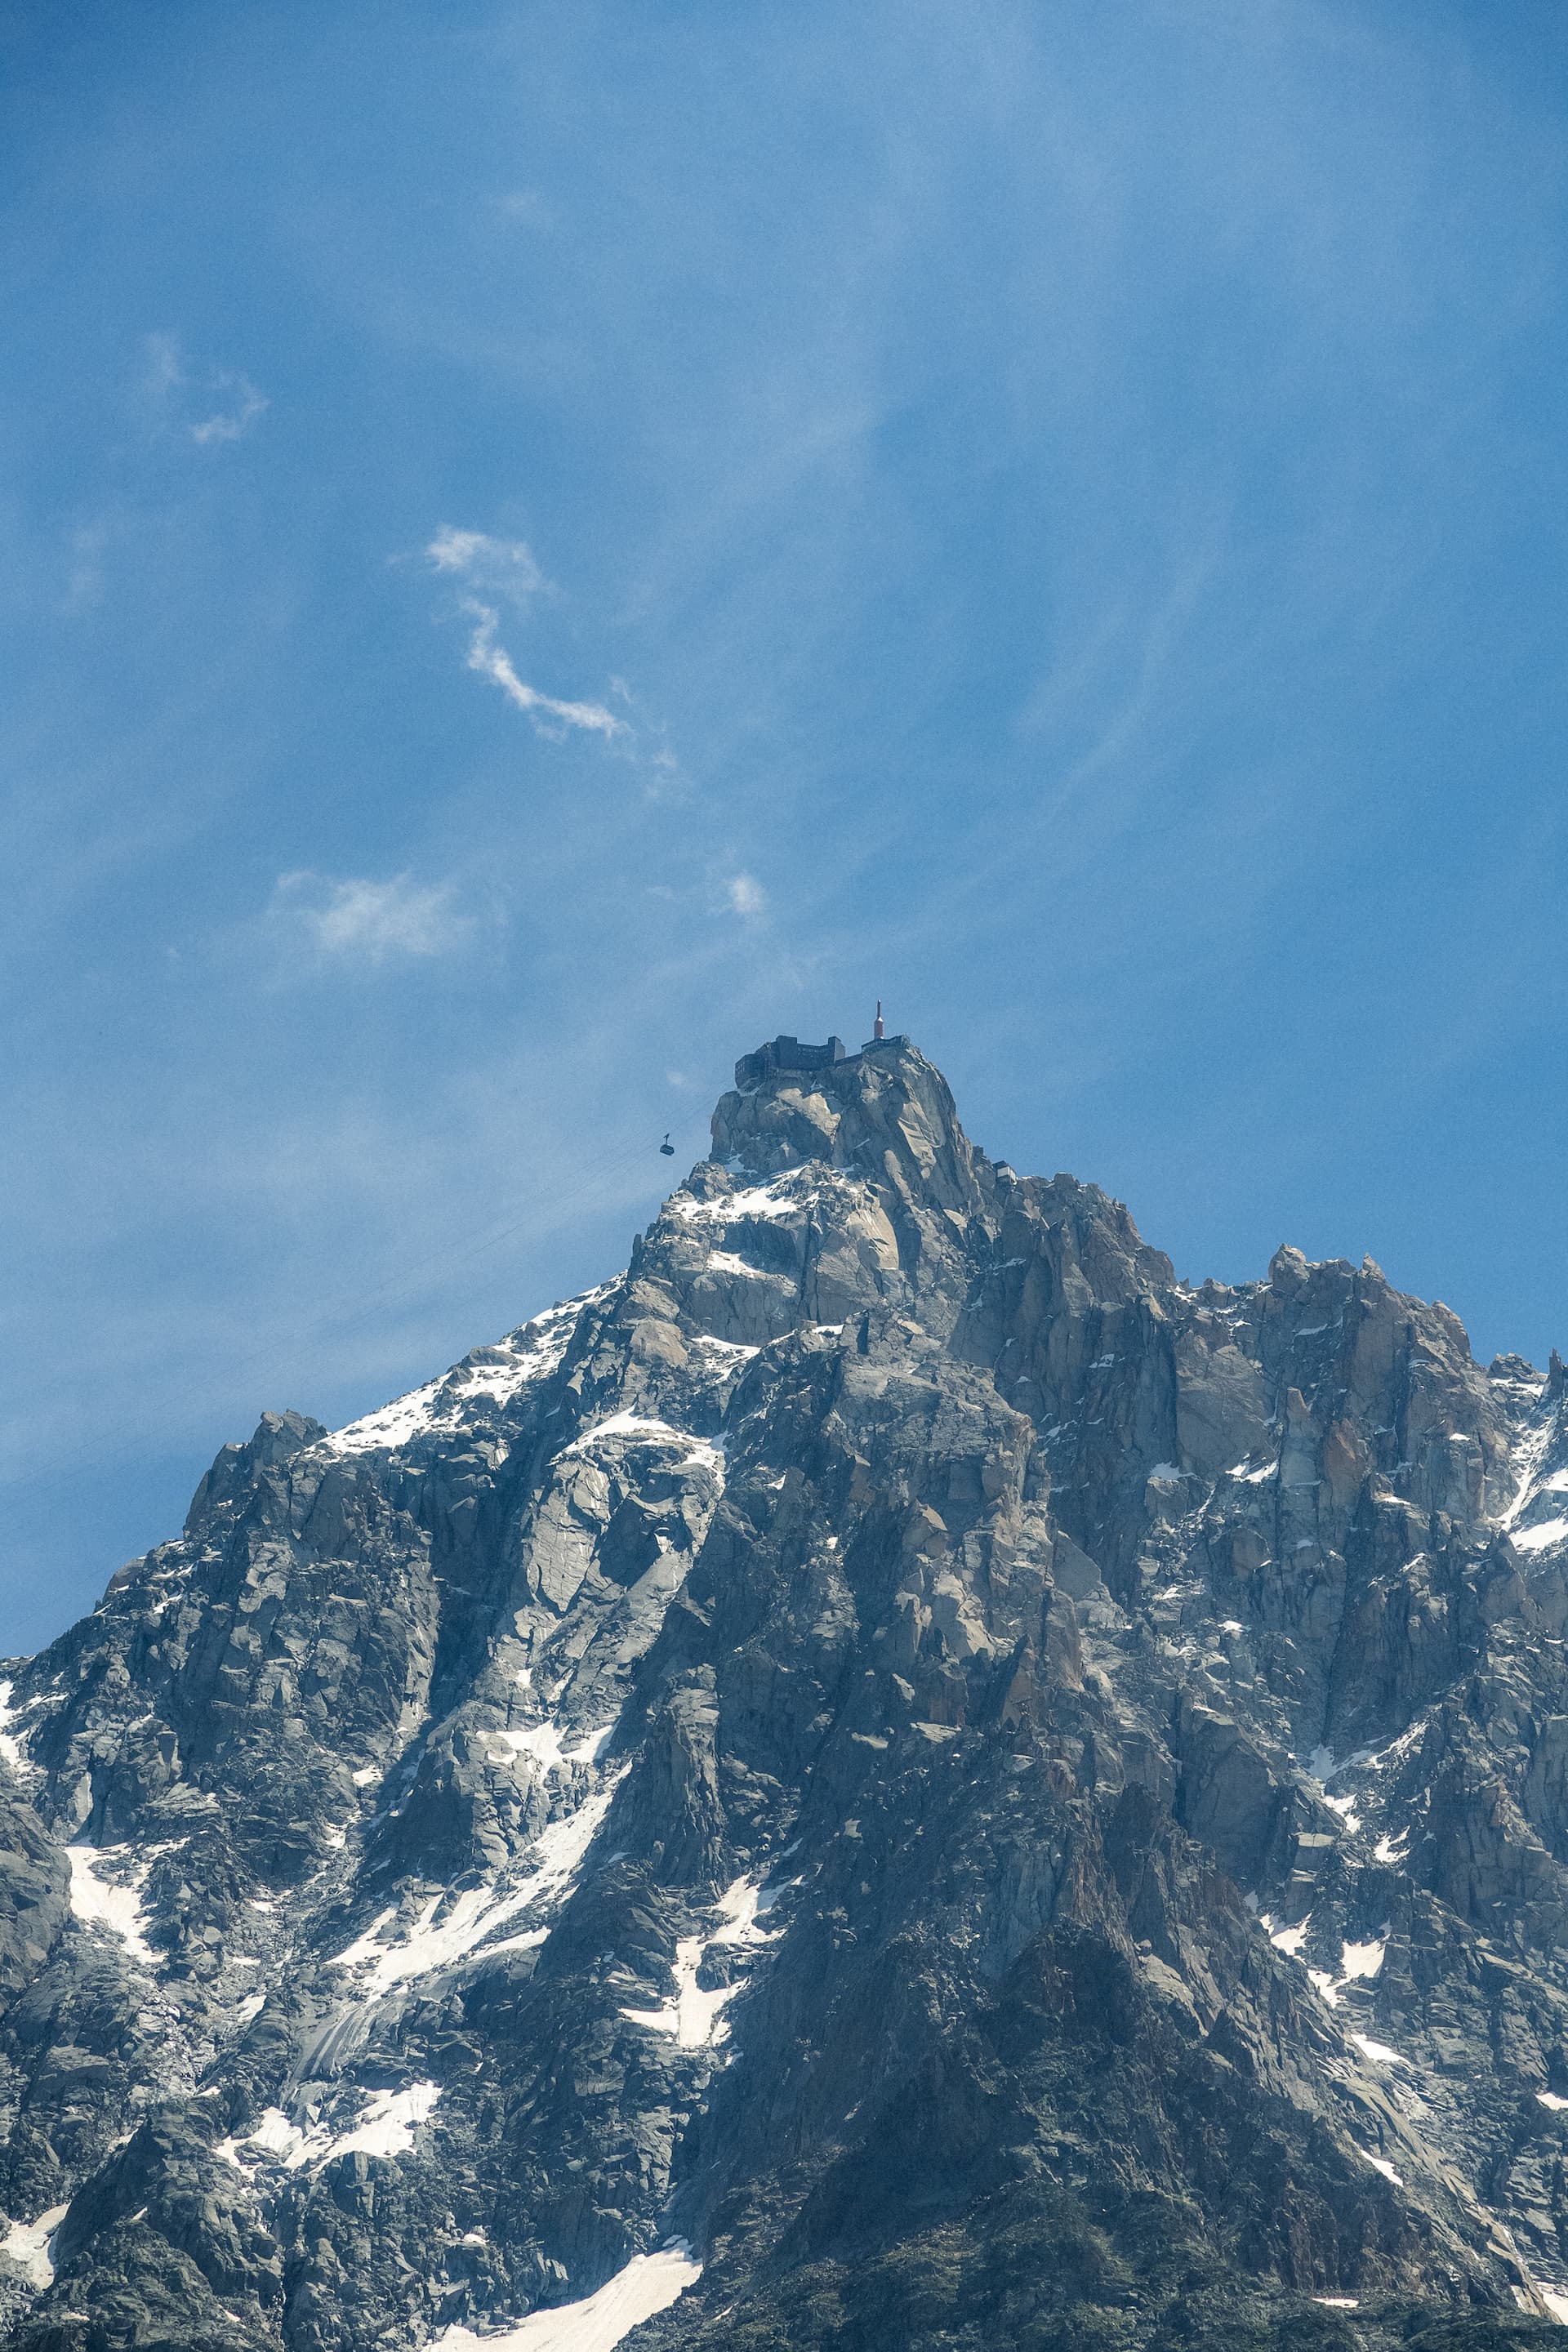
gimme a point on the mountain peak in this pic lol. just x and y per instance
(891, 1774)
(885, 1112)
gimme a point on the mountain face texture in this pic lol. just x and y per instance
(894, 1777)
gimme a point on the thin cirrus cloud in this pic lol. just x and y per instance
(505, 568)
(168, 385)
(357, 921)
(744, 895)
(232, 422)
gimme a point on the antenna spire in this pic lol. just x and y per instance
(877, 1030)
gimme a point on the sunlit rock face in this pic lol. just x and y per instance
(894, 1776)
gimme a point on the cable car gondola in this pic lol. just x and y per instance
(668, 1149)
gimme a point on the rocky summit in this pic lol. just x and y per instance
(894, 1777)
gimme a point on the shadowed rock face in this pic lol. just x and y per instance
(1002, 1799)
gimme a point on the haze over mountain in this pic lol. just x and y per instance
(891, 1776)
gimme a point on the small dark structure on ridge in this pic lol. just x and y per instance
(790, 1054)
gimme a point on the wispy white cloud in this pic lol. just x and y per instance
(493, 567)
(505, 568)
(168, 385)
(234, 421)
(364, 922)
(491, 658)
(744, 895)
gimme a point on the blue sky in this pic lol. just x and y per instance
(543, 544)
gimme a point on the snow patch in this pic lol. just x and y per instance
(648, 2284)
(542, 1741)
(1356, 1960)
(1550, 1531)
(99, 1902)
(1530, 1456)
(384, 2127)
(706, 1453)
(1374, 1759)
(1378, 2052)
(491, 1376)
(693, 2016)
(27, 2244)
(387, 2125)
(764, 1201)
(469, 1918)
(1286, 1939)
(1381, 2164)
(390, 1426)
(1550, 2099)
(10, 1746)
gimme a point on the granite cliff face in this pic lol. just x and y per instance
(893, 1776)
